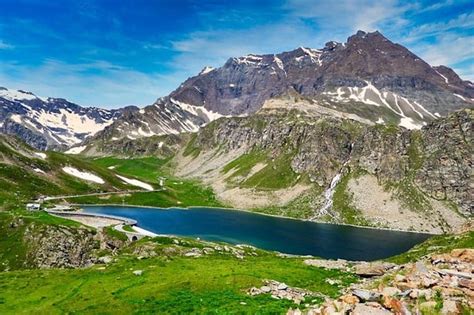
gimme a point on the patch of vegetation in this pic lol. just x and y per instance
(191, 148)
(300, 208)
(406, 190)
(128, 228)
(113, 233)
(434, 245)
(182, 193)
(343, 201)
(276, 174)
(146, 168)
(214, 283)
(242, 165)
(13, 225)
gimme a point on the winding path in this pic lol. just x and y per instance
(100, 194)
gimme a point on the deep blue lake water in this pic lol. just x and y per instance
(271, 233)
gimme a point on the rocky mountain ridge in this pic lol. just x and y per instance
(368, 76)
(49, 123)
(291, 164)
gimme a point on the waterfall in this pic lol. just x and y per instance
(329, 193)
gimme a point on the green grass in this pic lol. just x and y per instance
(276, 174)
(13, 225)
(342, 201)
(113, 233)
(128, 228)
(299, 208)
(146, 168)
(191, 148)
(177, 285)
(179, 192)
(184, 193)
(436, 244)
(242, 165)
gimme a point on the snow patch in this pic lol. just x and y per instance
(83, 175)
(199, 111)
(460, 96)
(16, 118)
(16, 95)
(76, 150)
(135, 182)
(41, 155)
(37, 170)
(206, 70)
(408, 123)
(445, 79)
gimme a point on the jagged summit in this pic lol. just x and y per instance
(49, 122)
(368, 77)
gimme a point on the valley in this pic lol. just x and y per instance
(335, 180)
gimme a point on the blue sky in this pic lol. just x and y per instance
(114, 53)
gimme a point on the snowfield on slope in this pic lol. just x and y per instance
(41, 155)
(135, 182)
(83, 175)
(76, 150)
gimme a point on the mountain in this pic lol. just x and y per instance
(50, 122)
(26, 173)
(369, 78)
(338, 170)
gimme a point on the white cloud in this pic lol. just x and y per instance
(4, 45)
(349, 15)
(448, 49)
(462, 21)
(83, 82)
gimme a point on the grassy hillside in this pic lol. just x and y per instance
(178, 192)
(170, 281)
(26, 174)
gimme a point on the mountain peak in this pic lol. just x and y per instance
(206, 69)
(370, 36)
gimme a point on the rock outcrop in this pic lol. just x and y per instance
(427, 170)
(437, 284)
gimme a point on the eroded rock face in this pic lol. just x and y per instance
(438, 283)
(437, 159)
(60, 247)
(446, 170)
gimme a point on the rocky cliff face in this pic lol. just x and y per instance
(48, 123)
(427, 170)
(368, 76)
(60, 247)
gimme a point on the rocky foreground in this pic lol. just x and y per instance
(437, 284)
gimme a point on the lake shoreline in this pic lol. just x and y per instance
(259, 213)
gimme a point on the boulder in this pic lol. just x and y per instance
(350, 299)
(266, 289)
(391, 291)
(466, 283)
(363, 309)
(373, 269)
(282, 286)
(465, 254)
(450, 308)
(399, 278)
(105, 259)
(365, 295)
